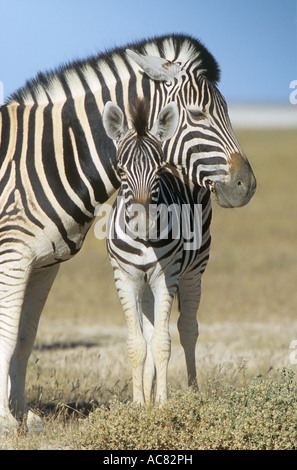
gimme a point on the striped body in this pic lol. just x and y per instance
(175, 210)
(57, 165)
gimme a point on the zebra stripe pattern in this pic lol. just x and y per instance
(57, 165)
(149, 270)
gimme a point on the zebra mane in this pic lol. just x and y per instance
(139, 112)
(76, 77)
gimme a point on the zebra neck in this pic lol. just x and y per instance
(178, 175)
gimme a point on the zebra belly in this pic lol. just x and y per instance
(43, 246)
(51, 246)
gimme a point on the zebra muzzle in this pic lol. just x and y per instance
(240, 187)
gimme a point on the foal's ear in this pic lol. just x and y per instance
(166, 124)
(113, 121)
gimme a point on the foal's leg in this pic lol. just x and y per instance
(130, 297)
(189, 291)
(148, 331)
(161, 342)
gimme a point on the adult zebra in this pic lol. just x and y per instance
(57, 165)
(155, 246)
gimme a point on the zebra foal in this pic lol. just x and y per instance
(147, 255)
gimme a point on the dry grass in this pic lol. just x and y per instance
(247, 314)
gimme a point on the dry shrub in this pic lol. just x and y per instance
(261, 416)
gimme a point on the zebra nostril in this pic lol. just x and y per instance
(209, 184)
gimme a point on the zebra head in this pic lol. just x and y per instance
(140, 159)
(185, 72)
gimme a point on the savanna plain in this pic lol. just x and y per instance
(79, 376)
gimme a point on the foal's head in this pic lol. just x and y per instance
(140, 158)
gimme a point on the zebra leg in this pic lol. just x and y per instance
(130, 296)
(189, 292)
(148, 330)
(161, 342)
(38, 287)
(14, 274)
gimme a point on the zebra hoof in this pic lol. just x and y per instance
(8, 425)
(34, 423)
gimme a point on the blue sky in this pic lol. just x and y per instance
(254, 41)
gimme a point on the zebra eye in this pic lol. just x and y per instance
(196, 114)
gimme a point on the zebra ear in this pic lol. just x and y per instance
(157, 68)
(113, 121)
(166, 124)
